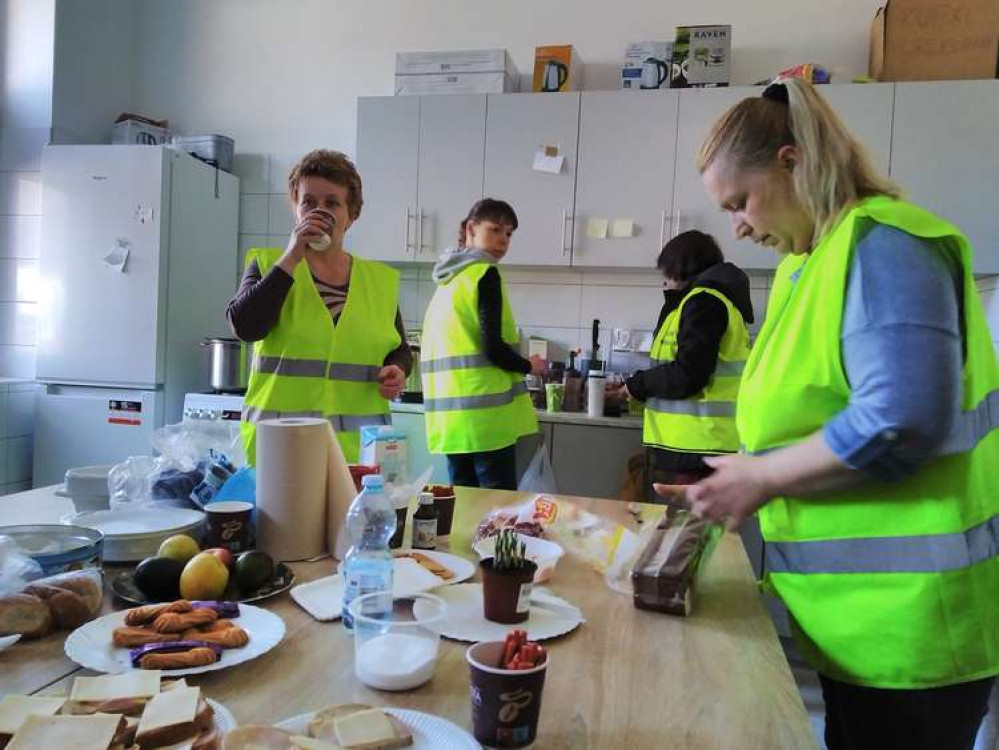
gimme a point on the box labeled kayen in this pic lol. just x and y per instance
(926, 40)
(701, 56)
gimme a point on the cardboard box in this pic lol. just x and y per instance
(557, 68)
(702, 56)
(385, 446)
(928, 40)
(488, 71)
(647, 65)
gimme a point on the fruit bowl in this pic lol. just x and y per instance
(123, 586)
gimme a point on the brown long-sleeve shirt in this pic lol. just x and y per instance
(255, 309)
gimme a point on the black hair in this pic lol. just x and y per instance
(488, 209)
(688, 254)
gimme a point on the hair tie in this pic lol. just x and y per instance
(776, 92)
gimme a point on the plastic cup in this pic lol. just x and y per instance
(506, 703)
(555, 393)
(396, 648)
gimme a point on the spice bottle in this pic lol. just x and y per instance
(425, 523)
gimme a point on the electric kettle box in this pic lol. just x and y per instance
(486, 71)
(926, 40)
(701, 56)
(647, 65)
(557, 68)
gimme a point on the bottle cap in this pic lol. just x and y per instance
(426, 498)
(372, 481)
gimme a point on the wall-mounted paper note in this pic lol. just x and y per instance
(622, 228)
(545, 163)
(117, 256)
(596, 228)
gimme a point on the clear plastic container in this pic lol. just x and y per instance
(396, 649)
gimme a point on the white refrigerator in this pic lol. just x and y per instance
(138, 258)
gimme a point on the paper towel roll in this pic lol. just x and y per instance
(302, 496)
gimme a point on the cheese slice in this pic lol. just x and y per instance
(140, 683)
(364, 727)
(14, 709)
(169, 709)
(66, 732)
(174, 685)
(308, 743)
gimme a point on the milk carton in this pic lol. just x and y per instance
(385, 446)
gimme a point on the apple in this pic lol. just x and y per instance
(224, 556)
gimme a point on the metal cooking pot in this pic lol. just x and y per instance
(225, 373)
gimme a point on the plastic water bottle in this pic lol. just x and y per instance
(367, 566)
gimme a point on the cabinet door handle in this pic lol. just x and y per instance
(566, 218)
(662, 228)
(420, 216)
(676, 222)
(410, 216)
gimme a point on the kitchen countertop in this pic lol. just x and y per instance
(625, 678)
(560, 417)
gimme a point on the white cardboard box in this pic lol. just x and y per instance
(489, 71)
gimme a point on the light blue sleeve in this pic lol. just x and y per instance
(902, 353)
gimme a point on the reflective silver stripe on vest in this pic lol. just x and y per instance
(971, 427)
(316, 368)
(722, 369)
(454, 403)
(458, 362)
(931, 553)
(692, 408)
(340, 422)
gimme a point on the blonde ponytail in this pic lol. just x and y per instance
(833, 172)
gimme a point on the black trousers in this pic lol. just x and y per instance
(864, 718)
(493, 470)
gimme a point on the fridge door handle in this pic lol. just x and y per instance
(410, 217)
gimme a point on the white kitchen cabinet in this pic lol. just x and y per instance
(388, 137)
(944, 156)
(517, 126)
(452, 143)
(627, 147)
(590, 461)
(866, 110)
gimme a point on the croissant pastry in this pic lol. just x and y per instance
(214, 627)
(142, 615)
(196, 657)
(231, 637)
(129, 637)
(174, 622)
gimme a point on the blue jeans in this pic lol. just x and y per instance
(493, 470)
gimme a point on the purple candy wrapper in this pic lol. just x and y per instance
(136, 654)
(224, 609)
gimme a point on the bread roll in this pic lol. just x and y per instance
(25, 614)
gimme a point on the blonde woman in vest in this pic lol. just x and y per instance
(329, 337)
(698, 354)
(864, 412)
(475, 399)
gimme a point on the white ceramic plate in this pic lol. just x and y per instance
(135, 533)
(90, 644)
(429, 732)
(550, 616)
(9, 640)
(323, 598)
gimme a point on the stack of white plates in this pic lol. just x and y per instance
(136, 533)
(87, 487)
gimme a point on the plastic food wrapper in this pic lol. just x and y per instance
(194, 463)
(809, 71)
(16, 569)
(673, 556)
(605, 545)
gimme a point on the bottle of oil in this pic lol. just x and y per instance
(425, 523)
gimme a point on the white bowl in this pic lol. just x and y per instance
(546, 554)
(136, 533)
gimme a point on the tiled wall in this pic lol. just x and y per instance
(17, 426)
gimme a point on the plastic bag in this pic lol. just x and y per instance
(539, 476)
(16, 569)
(603, 544)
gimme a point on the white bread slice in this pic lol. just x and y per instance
(169, 718)
(308, 743)
(139, 683)
(14, 709)
(66, 732)
(257, 736)
(323, 726)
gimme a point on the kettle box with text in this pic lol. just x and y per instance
(647, 65)
(702, 56)
(557, 68)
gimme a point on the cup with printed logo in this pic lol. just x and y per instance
(506, 703)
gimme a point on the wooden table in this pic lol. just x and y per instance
(627, 678)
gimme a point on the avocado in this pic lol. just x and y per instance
(253, 569)
(158, 578)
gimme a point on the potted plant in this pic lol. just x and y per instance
(507, 580)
